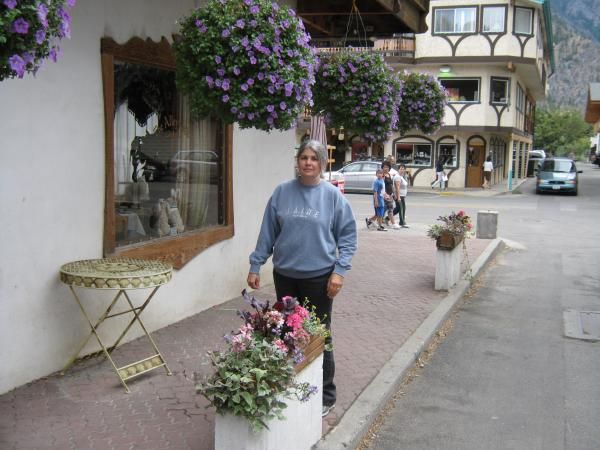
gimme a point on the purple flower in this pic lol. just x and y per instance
(270, 120)
(28, 58)
(40, 36)
(240, 23)
(282, 106)
(250, 81)
(254, 23)
(233, 109)
(20, 26)
(200, 25)
(225, 33)
(245, 42)
(218, 59)
(10, 4)
(221, 72)
(65, 23)
(270, 108)
(54, 53)
(225, 84)
(254, 10)
(236, 70)
(253, 60)
(245, 103)
(261, 76)
(17, 64)
(70, 3)
(225, 98)
(250, 116)
(271, 89)
(244, 87)
(209, 80)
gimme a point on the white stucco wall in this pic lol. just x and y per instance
(52, 193)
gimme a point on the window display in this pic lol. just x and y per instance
(413, 154)
(448, 152)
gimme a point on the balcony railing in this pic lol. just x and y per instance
(402, 46)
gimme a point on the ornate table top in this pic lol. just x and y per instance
(116, 273)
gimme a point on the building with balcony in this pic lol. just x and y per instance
(493, 58)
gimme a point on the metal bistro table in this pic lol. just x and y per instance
(120, 274)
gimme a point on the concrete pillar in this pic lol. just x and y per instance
(447, 268)
(487, 224)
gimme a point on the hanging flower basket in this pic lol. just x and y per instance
(358, 91)
(448, 240)
(423, 102)
(246, 61)
(29, 31)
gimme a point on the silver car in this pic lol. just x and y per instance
(358, 175)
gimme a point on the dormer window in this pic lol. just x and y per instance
(455, 20)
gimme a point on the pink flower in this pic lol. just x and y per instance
(281, 345)
(294, 321)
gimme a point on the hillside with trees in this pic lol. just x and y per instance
(576, 35)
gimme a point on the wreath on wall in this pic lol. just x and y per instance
(29, 31)
(358, 91)
(423, 102)
(246, 61)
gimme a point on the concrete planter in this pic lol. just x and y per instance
(302, 427)
(447, 267)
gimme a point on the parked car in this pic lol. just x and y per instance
(557, 175)
(187, 163)
(358, 176)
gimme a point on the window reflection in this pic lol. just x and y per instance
(168, 165)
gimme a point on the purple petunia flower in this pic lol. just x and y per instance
(71, 3)
(40, 36)
(253, 60)
(254, 10)
(225, 84)
(236, 70)
(270, 108)
(254, 23)
(244, 87)
(233, 109)
(221, 72)
(282, 106)
(209, 80)
(250, 81)
(20, 26)
(65, 23)
(218, 59)
(17, 65)
(10, 4)
(250, 116)
(200, 25)
(225, 33)
(240, 23)
(225, 98)
(245, 103)
(54, 53)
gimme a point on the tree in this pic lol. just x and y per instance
(562, 131)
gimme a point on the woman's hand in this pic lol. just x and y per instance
(253, 280)
(334, 285)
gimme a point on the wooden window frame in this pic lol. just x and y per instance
(180, 249)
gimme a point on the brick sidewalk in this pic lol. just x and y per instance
(386, 296)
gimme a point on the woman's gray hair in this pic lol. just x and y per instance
(316, 147)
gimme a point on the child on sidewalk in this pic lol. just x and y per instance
(378, 190)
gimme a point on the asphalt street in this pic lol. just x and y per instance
(506, 377)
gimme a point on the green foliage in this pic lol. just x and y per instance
(423, 102)
(245, 61)
(247, 383)
(562, 132)
(457, 223)
(359, 92)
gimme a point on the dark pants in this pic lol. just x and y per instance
(315, 290)
(400, 209)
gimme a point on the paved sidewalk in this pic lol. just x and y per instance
(386, 297)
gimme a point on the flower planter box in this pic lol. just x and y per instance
(302, 427)
(448, 241)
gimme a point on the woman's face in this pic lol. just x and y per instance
(309, 165)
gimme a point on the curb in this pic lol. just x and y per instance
(357, 420)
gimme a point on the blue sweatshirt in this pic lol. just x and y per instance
(302, 228)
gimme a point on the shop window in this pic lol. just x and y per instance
(493, 19)
(499, 91)
(455, 20)
(168, 177)
(413, 154)
(449, 153)
(523, 21)
(461, 90)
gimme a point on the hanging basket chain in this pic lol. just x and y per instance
(355, 15)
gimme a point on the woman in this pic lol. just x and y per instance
(488, 166)
(401, 189)
(309, 228)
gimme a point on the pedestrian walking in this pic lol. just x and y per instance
(401, 189)
(488, 166)
(378, 202)
(440, 175)
(309, 228)
(388, 196)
